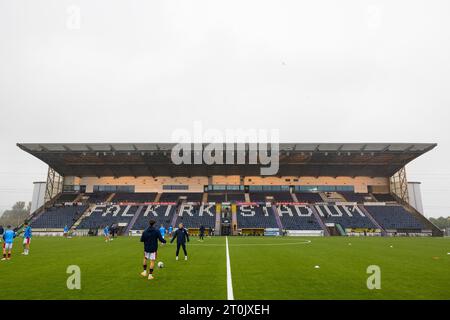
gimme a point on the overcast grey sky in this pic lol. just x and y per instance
(132, 71)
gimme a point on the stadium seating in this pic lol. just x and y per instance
(58, 217)
(236, 196)
(226, 197)
(277, 196)
(134, 197)
(97, 197)
(161, 214)
(216, 197)
(67, 197)
(298, 218)
(255, 217)
(174, 196)
(385, 197)
(193, 216)
(308, 197)
(106, 215)
(394, 217)
(346, 216)
(356, 197)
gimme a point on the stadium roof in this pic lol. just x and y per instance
(296, 159)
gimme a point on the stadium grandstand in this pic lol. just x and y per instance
(319, 190)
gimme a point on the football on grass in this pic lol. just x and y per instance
(160, 264)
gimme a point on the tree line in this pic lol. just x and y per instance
(16, 215)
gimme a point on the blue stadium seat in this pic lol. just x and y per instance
(106, 215)
(193, 216)
(134, 197)
(308, 197)
(394, 217)
(347, 216)
(298, 218)
(58, 217)
(161, 214)
(255, 217)
(174, 196)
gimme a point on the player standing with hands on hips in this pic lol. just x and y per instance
(181, 235)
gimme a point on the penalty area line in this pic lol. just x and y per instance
(230, 295)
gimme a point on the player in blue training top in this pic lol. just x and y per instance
(106, 233)
(8, 238)
(162, 230)
(66, 231)
(170, 230)
(27, 234)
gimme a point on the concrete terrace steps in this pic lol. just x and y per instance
(134, 219)
(319, 220)
(277, 218)
(83, 215)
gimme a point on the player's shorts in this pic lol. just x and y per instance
(150, 255)
(26, 240)
(7, 246)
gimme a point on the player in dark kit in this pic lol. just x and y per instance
(181, 235)
(202, 233)
(150, 239)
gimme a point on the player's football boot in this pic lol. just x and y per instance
(150, 277)
(144, 273)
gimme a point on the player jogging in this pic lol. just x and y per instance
(8, 238)
(106, 233)
(170, 230)
(181, 235)
(150, 239)
(26, 239)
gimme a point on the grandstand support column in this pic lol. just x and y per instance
(294, 197)
(399, 185)
(54, 184)
(158, 196)
(319, 220)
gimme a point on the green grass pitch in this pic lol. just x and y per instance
(261, 267)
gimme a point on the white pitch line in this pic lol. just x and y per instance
(251, 244)
(230, 295)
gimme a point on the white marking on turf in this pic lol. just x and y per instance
(253, 244)
(230, 295)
